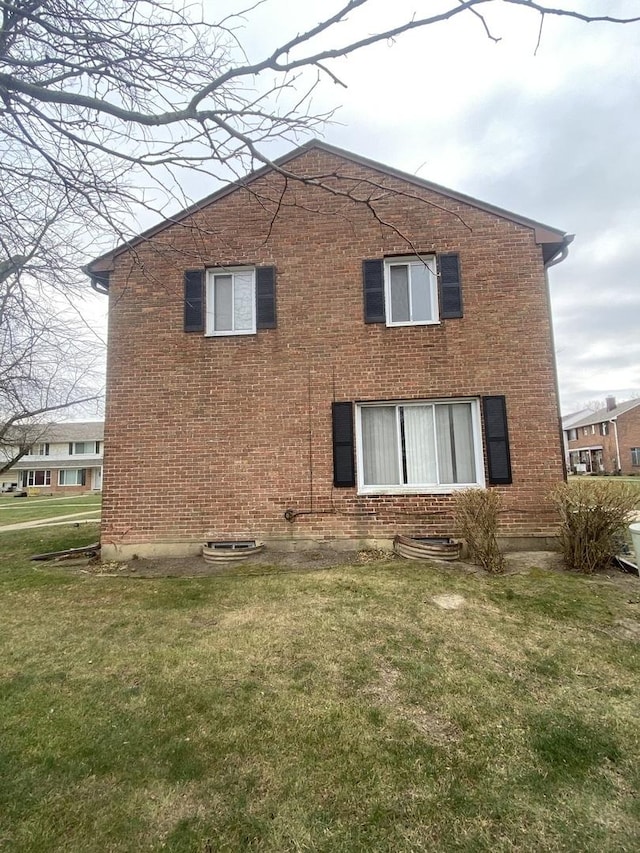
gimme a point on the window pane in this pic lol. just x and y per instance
(223, 307)
(243, 301)
(399, 286)
(420, 445)
(380, 446)
(463, 441)
(456, 460)
(420, 293)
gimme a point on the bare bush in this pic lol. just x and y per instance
(594, 515)
(477, 513)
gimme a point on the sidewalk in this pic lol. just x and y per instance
(76, 517)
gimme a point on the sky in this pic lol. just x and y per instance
(552, 135)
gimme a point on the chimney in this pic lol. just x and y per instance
(611, 403)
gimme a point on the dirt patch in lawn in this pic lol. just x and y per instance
(271, 561)
(275, 561)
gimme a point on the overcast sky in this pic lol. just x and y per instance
(553, 136)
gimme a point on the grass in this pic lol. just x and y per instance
(633, 481)
(338, 710)
(14, 510)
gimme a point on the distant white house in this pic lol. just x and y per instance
(64, 458)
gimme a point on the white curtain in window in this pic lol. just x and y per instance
(456, 460)
(243, 301)
(420, 445)
(223, 303)
(380, 446)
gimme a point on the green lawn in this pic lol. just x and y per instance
(336, 710)
(14, 510)
(634, 481)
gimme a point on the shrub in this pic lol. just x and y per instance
(477, 520)
(593, 519)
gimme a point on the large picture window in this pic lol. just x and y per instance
(411, 286)
(71, 477)
(231, 301)
(414, 447)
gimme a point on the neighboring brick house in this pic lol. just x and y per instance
(567, 422)
(65, 458)
(606, 441)
(303, 370)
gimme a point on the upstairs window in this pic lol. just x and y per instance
(77, 448)
(573, 434)
(417, 290)
(41, 449)
(604, 428)
(231, 301)
(411, 291)
(635, 456)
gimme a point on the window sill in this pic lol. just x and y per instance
(373, 491)
(228, 334)
(420, 323)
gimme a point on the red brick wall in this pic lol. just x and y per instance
(606, 442)
(237, 430)
(628, 437)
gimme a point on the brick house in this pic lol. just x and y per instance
(65, 458)
(304, 369)
(606, 441)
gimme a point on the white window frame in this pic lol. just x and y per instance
(210, 331)
(64, 471)
(83, 452)
(31, 476)
(635, 456)
(429, 261)
(424, 488)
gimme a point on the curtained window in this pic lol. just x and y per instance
(418, 446)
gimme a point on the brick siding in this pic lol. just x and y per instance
(628, 436)
(238, 429)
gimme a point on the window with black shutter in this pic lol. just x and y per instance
(266, 297)
(343, 449)
(496, 436)
(230, 300)
(373, 286)
(194, 301)
(415, 290)
(450, 287)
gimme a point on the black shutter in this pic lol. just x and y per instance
(266, 297)
(496, 436)
(373, 283)
(70, 448)
(83, 477)
(194, 301)
(343, 466)
(450, 289)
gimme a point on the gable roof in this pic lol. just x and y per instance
(551, 239)
(606, 414)
(569, 420)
